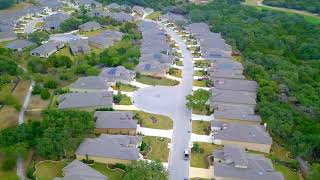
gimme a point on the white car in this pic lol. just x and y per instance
(186, 154)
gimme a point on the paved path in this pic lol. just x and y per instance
(194, 88)
(201, 138)
(196, 117)
(139, 85)
(125, 108)
(172, 77)
(155, 132)
(171, 101)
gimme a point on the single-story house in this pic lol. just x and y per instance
(89, 26)
(227, 65)
(235, 84)
(232, 97)
(121, 17)
(80, 46)
(159, 57)
(87, 101)
(19, 45)
(53, 22)
(138, 10)
(78, 170)
(115, 122)
(236, 113)
(233, 162)
(251, 136)
(118, 74)
(152, 68)
(89, 3)
(174, 18)
(230, 74)
(90, 84)
(8, 36)
(110, 149)
(114, 7)
(47, 49)
(105, 39)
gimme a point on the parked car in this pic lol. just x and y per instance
(186, 154)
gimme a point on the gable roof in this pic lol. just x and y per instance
(234, 163)
(83, 100)
(235, 112)
(90, 82)
(79, 46)
(111, 146)
(235, 84)
(77, 170)
(232, 97)
(46, 48)
(88, 26)
(151, 67)
(115, 119)
(241, 132)
(19, 44)
(55, 20)
(159, 57)
(117, 73)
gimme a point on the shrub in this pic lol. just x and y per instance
(36, 89)
(45, 94)
(143, 146)
(105, 109)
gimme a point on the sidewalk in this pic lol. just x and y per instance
(173, 77)
(198, 77)
(125, 108)
(194, 88)
(196, 117)
(201, 138)
(155, 132)
(199, 69)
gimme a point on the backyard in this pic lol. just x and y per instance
(156, 149)
(113, 174)
(150, 80)
(154, 121)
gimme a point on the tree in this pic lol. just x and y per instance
(198, 100)
(314, 173)
(39, 36)
(51, 83)
(60, 61)
(145, 170)
(45, 94)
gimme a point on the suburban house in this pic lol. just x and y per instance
(114, 7)
(53, 21)
(90, 84)
(138, 10)
(152, 68)
(86, 101)
(88, 3)
(8, 36)
(233, 162)
(89, 26)
(251, 136)
(118, 74)
(232, 97)
(230, 74)
(121, 17)
(78, 170)
(19, 45)
(236, 113)
(227, 65)
(110, 149)
(159, 57)
(235, 84)
(47, 49)
(105, 39)
(115, 122)
(174, 18)
(80, 46)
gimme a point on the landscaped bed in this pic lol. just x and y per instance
(125, 87)
(125, 100)
(200, 73)
(156, 148)
(46, 170)
(201, 127)
(150, 80)
(200, 159)
(154, 121)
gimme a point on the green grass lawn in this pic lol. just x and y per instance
(200, 83)
(48, 170)
(125, 87)
(202, 64)
(112, 174)
(39, 24)
(65, 52)
(201, 127)
(126, 100)
(160, 122)
(179, 63)
(287, 172)
(200, 73)
(154, 16)
(200, 159)
(175, 72)
(159, 148)
(150, 80)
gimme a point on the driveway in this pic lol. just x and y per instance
(171, 101)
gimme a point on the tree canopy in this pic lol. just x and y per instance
(312, 6)
(145, 170)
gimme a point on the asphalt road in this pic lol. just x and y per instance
(171, 101)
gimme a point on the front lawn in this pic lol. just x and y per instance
(125, 100)
(125, 87)
(156, 149)
(47, 170)
(202, 64)
(150, 80)
(201, 127)
(200, 73)
(201, 83)
(113, 174)
(200, 159)
(175, 72)
(179, 63)
(39, 24)
(154, 121)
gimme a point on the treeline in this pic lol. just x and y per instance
(4, 4)
(312, 6)
(282, 54)
(157, 5)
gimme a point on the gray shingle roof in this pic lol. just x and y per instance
(19, 44)
(234, 163)
(121, 17)
(119, 73)
(46, 48)
(241, 132)
(90, 3)
(233, 97)
(115, 119)
(235, 84)
(106, 38)
(159, 57)
(231, 74)
(7, 34)
(90, 83)
(85, 100)
(54, 21)
(235, 112)
(151, 67)
(89, 26)
(80, 46)
(77, 170)
(114, 6)
(111, 146)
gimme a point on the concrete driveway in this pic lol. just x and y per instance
(171, 101)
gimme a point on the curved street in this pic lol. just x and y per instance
(171, 101)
